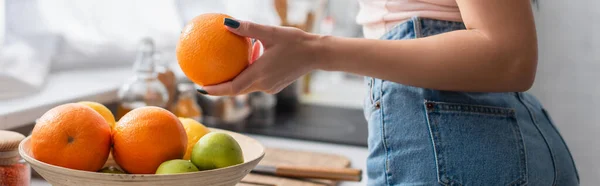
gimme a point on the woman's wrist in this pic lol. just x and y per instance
(320, 51)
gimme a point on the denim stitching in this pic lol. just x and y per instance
(438, 145)
(434, 134)
(523, 156)
(444, 107)
(417, 27)
(563, 141)
(383, 134)
(535, 123)
(371, 90)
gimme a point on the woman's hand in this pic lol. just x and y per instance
(288, 54)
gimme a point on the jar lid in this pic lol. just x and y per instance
(9, 140)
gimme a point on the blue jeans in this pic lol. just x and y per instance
(421, 136)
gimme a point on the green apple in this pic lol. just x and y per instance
(176, 166)
(112, 170)
(216, 150)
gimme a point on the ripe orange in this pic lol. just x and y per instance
(208, 53)
(72, 136)
(147, 136)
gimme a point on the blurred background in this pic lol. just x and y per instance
(60, 51)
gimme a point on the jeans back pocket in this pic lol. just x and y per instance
(476, 145)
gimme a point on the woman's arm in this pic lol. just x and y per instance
(497, 53)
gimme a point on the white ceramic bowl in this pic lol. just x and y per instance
(59, 176)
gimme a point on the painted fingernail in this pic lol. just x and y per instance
(231, 23)
(201, 91)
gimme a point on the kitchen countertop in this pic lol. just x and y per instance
(357, 155)
(310, 122)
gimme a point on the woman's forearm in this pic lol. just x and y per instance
(456, 61)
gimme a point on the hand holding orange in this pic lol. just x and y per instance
(208, 53)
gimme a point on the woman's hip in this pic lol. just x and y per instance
(422, 136)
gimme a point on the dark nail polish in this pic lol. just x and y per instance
(201, 91)
(231, 23)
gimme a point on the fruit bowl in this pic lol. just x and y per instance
(59, 176)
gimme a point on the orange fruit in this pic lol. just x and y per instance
(72, 136)
(147, 136)
(208, 53)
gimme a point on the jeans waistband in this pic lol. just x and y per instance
(422, 27)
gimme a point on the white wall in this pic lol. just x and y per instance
(568, 77)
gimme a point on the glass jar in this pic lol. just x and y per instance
(166, 76)
(144, 88)
(14, 171)
(187, 104)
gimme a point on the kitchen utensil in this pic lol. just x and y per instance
(296, 171)
(252, 149)
(278, 156)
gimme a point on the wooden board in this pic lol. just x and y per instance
(274, 156)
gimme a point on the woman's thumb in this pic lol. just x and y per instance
(249, 29)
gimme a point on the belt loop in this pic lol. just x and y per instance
(417, 26)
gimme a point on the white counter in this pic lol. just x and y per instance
(70, 86)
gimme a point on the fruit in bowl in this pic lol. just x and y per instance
(194, 131)
(71, 142)
(102, 110)
(176, 166)
(216, 150)
(72, 136)
(147, 136)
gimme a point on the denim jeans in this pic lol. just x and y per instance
(421, 136)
